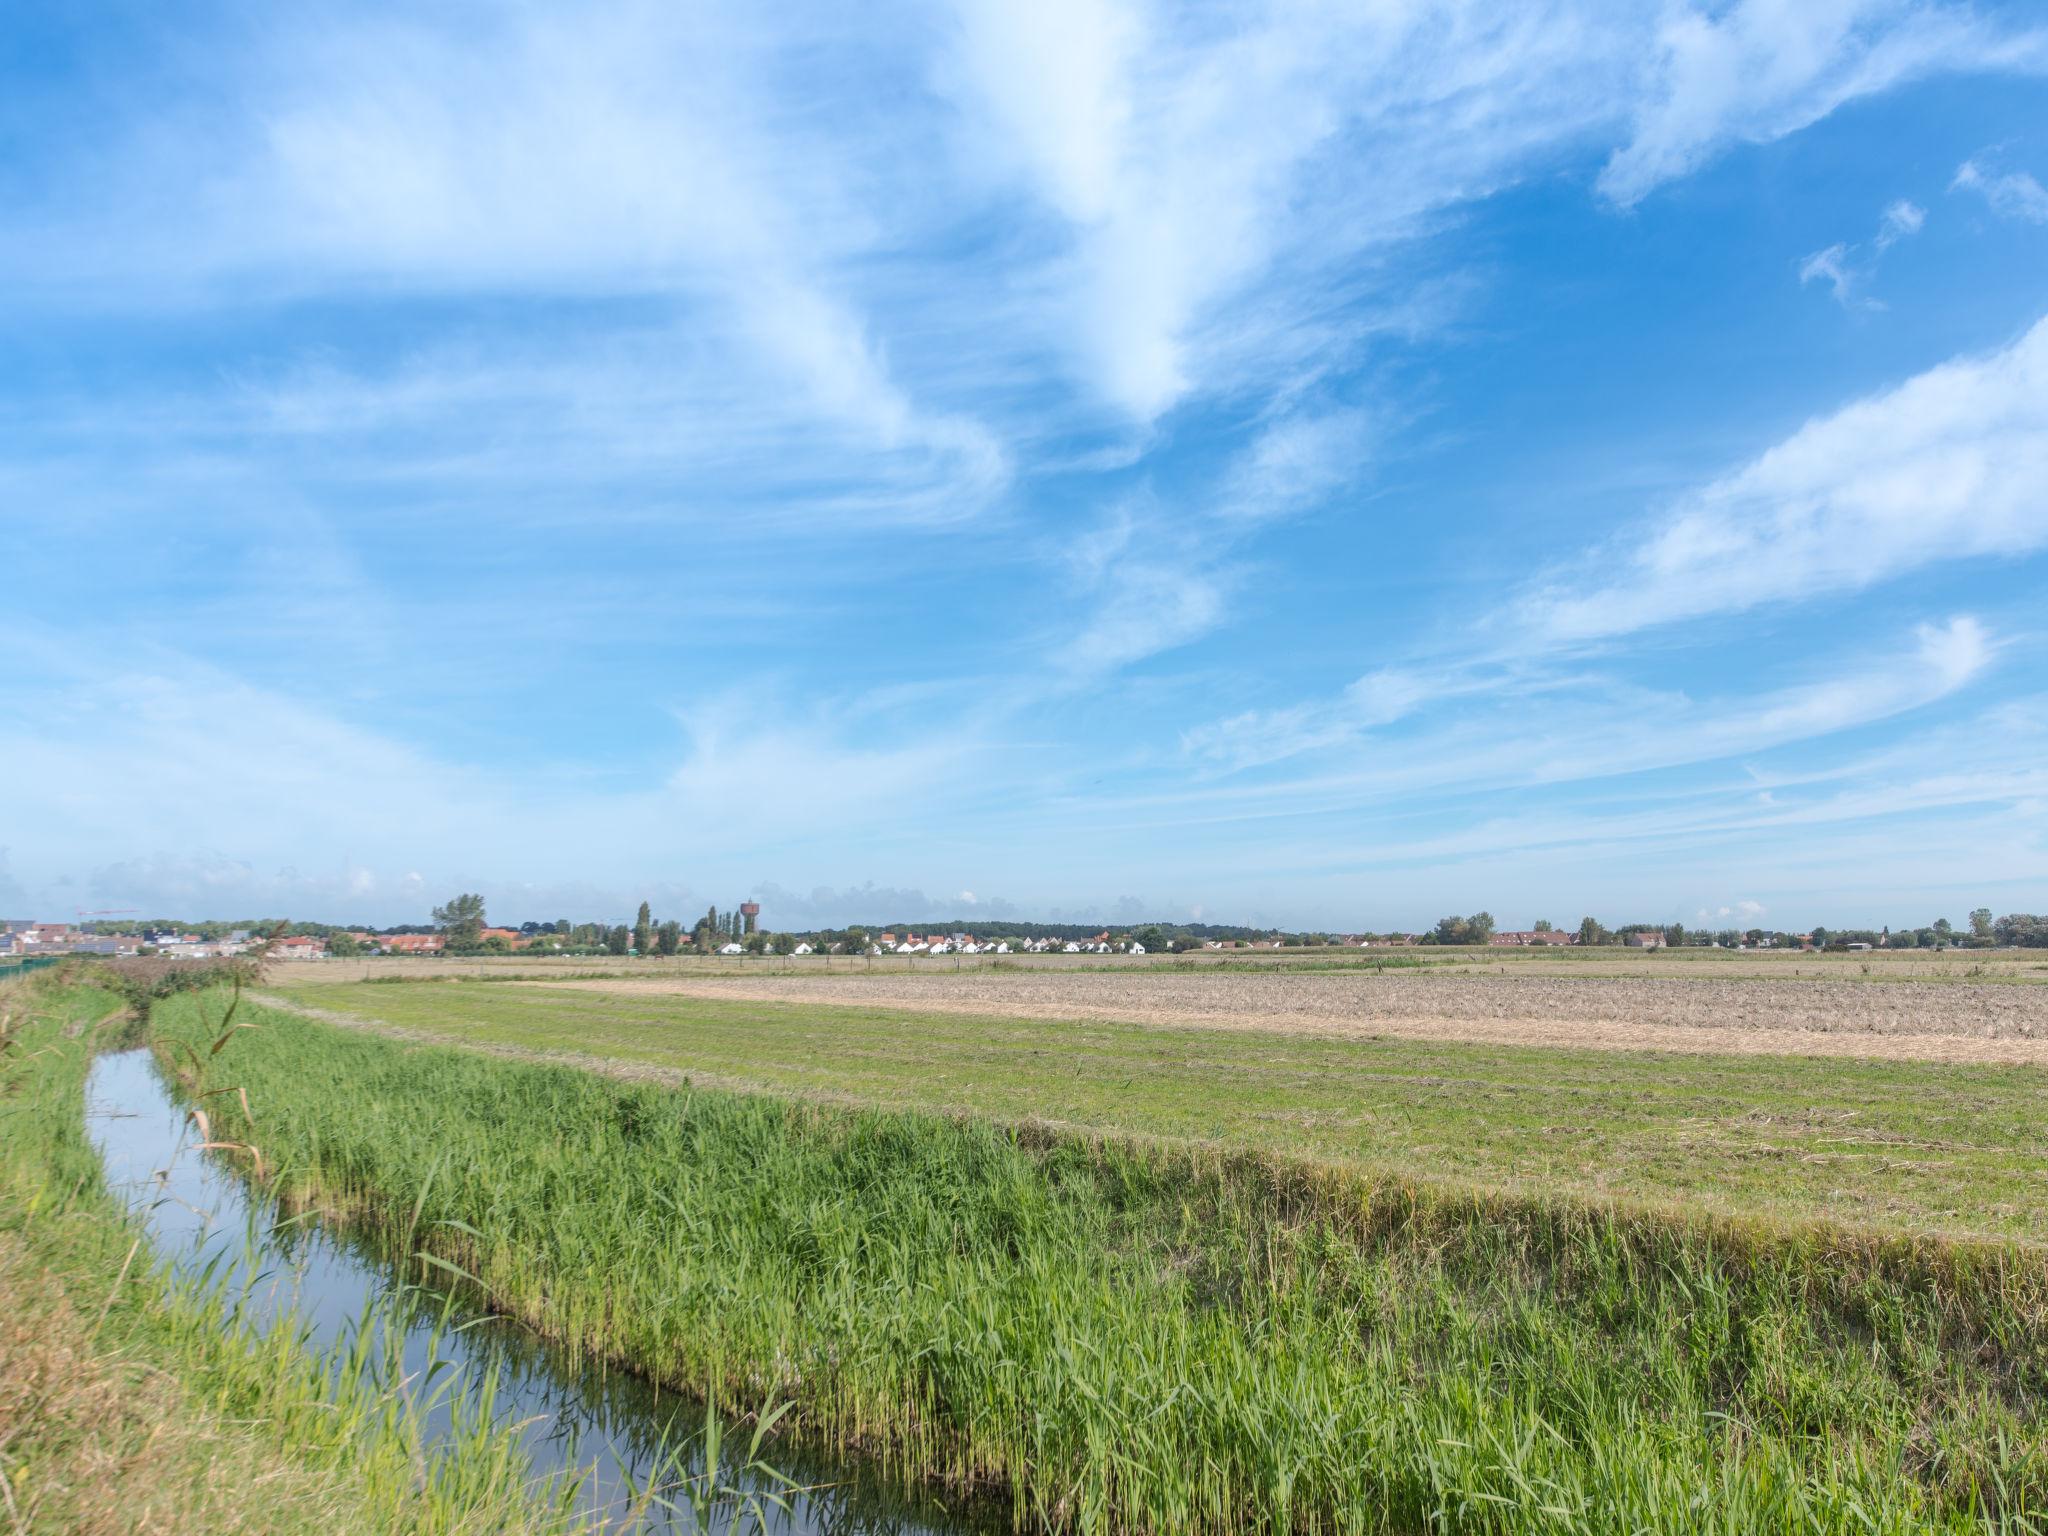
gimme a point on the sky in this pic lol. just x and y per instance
(1316, 465)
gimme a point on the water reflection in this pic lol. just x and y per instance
(615, 1428)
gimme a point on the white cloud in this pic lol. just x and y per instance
(1297, 462)
(1483, 723)
(1839, 267)
(1139, 602)
(1949, 465)
(2011, 194)
(1200, 168)
(122, 753)
(1760, 69)
(1898, 221)
(1828, 266)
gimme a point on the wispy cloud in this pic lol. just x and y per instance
(1831, 267)
(1845, 272)
(1949, 465)
(1484, 722)
(1898, 221)
(1759, 69)
(2011, 194)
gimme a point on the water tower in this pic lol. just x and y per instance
(749, 910)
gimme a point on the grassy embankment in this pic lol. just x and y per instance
(1911, 1146)
(134, 1401)
(1133, 1336)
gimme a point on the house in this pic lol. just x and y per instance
(732, 949)
(1137, 948)
(512, 936)
(1071, 949)
(301, 948)
(1002, 949)
(1533, 936)
(801, 949)
(415, 944)
(1646, 938)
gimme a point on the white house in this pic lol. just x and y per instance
(1137, 949)
(801, 949)
(1002, 949)
(732, 949)
(1072, 949)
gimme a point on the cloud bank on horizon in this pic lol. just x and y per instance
(1308, 464)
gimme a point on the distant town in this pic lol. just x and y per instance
(460, 928)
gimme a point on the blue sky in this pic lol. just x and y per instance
(1315, 465)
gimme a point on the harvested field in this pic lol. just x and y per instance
(1935, 1021)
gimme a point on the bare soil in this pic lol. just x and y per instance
(1933, 1021)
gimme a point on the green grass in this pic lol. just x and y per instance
(1133, 1336)
(1894, 1146)
(145, 1402)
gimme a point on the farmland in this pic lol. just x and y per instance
(1185, 1279)
(1213, 1250)
(1946, 1146)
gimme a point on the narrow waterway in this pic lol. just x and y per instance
(613, 1428)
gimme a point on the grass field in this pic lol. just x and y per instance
(1124, 1336)
(1893, 1146)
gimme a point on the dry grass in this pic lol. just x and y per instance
(94, 1440)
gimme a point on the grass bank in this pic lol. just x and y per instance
(133, 1401)
(1892, 1145)
(1135, 1337)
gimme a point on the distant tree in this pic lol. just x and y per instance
(2023, 929)
(857, 941)
(461, 921)
(1819, 937)
(782, 943)
(1542, 925)
(1590, 931)
(343, 945)
(1980, 923)
(669, 938)
(618, 939)
(1476, 929)
(1675, 935)
(643, 930)
(564, 928)
(1944, 932)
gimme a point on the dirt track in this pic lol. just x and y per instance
(1943, 1021)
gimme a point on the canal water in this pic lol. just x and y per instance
(612, 1428)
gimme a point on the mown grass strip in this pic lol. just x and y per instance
(1892, 1145)
(1138, 1338)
